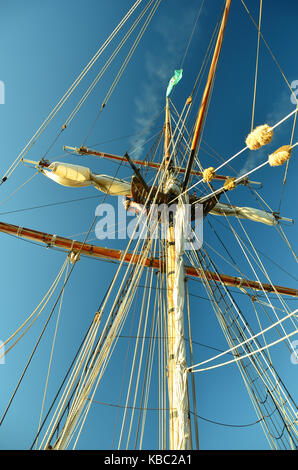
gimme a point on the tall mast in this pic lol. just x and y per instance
(206, 95)
(179, 421)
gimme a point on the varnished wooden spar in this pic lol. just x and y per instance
(118, 158)
(116, 255)
(206, 95)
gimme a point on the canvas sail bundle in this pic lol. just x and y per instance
(248, 213)
(76, 176)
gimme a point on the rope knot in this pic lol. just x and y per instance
(261, 135)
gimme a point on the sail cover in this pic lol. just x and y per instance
(76, 176)
(249, 213)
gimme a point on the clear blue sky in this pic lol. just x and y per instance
(44, 46)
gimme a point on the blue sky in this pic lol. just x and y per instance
(44, 47)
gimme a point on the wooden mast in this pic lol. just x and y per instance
(179, 423)
(170, 273)
(206, 95)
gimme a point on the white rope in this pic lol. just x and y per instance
(135, 357)
(247, 341)
(248, 354)
(149, 374)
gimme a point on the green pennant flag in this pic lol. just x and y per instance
(174, 80)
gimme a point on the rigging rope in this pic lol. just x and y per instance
(259, 260)
(74, 85)
(107, 64)
(240, 315)
(51, 357)
(236, 155)
(256, 71)
(42, 206)
(240, 358)
(265, 272)
(93, 374)
(115, 405)
(288, 85)
(41, 306)
(34, 349)
(20, 187)
(47, 321)
(261, 374)
(191, 34)
(248, 340)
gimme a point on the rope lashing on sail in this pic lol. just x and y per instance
(208, 174)
(261, 135)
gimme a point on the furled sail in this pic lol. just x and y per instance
(249, 213)
(76, 176)
(111, 185)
